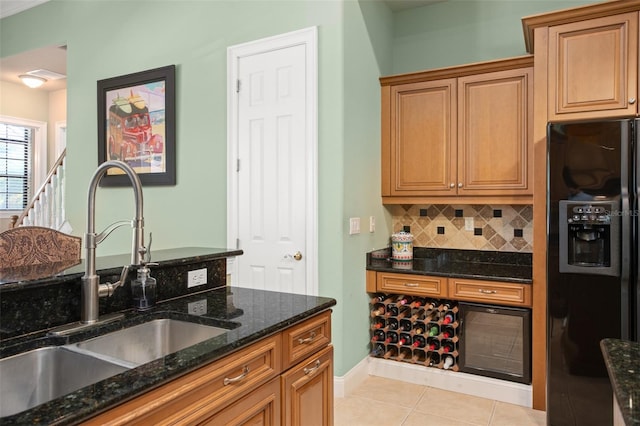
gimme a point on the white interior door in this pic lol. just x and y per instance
(274, 171)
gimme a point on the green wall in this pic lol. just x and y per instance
(359, 41)
(457, 32)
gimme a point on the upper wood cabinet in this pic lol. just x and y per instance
(593, 68)
(460, 131)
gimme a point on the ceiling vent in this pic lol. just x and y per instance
(46, 74)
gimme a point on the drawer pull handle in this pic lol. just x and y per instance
(245, 371)
(311, 370)
(308, 339)
(487, 291)
(411, 285)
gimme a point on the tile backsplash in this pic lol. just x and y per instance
(494, 227)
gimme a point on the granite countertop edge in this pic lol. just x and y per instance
(622, 358)
(454, 263)
(250, 322)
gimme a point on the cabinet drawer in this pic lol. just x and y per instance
(195, 396)
(388, 282)
(305, 338)
(490, 292)
(260, 407)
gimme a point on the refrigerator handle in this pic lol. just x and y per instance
(635, 247)
(629, 134)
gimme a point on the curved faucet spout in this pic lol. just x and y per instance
(91, 281)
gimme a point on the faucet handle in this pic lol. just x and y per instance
(145, 252)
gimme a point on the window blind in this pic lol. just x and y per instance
(15, 166)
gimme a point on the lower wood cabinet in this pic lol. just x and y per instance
(307, 391)
(255, 385)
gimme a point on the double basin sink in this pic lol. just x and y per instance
(32, 378)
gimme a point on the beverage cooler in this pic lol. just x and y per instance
(495, 341)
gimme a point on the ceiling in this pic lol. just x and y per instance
(54, 58)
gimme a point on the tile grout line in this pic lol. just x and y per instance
(413, 409)
(493, 411)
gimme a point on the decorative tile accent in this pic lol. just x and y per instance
(496, 227)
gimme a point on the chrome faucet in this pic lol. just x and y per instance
(92, 290)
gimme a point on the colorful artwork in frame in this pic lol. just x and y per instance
(136, 124)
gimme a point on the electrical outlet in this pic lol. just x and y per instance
(372, 224)
(199, 307)
(354, 225)
(196, 277)
(468, 224)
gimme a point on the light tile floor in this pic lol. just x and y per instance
(384, 402)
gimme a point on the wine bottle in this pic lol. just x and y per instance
(447, 346)
(378, 349)
(448, 318)
(417, 314)
(418, 302)
(403, 300)
(403, 313)
(392, 337)
(449, 363)
(434, 359)
(381, 298)
(404, 339)
(392, 351)
(392, 323)
(433, 329)
(445, 306)
(418, 327)
(378, 309)
(419, 341)
(405, 353)
(378, 323)
(433, 304)
(378, 336)
(392, 310)
(433, 344)
(448, 332)
(405, 324)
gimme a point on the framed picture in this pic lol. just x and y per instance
(137, 125)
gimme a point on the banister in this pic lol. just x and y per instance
(52, 172)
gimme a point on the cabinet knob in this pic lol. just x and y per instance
(459, 184)
(632, 101)
(452, 185)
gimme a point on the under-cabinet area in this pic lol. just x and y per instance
(453, 310)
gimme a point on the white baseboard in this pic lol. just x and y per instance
(344, 385)
(455, 381)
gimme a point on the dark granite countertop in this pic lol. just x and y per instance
(472, 264)
(249, 314)
(622, 358)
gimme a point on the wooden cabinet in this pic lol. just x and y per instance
(307, 391)
(464, 135)
(491, 292)
(423, 285)
(485, 291)
(246, 387)
(593, 68)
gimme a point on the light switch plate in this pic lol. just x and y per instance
(468, 224)
(354, 225)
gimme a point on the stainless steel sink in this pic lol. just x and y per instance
(155, 339)
(35, 377)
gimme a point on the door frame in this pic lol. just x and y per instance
(309, 38)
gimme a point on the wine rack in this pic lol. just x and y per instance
(416, 330)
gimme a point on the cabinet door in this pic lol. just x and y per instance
(307, 391)
(494, 132)
(593, 68)
(422, 138)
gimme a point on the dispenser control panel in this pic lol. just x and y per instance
(588, 215)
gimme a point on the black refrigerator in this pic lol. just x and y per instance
(592, 262)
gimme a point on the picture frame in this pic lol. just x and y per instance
(137, 125)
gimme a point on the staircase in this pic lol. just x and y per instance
(47, 207)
